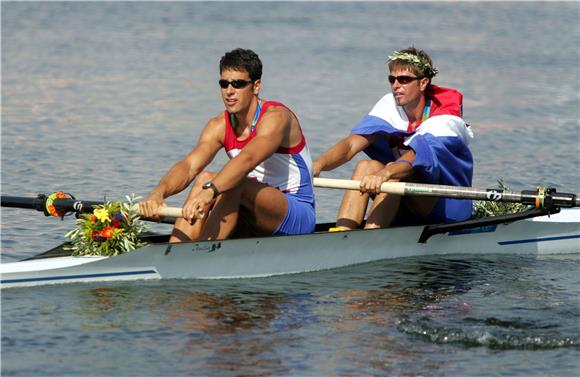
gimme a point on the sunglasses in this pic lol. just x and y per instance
(402, 79)
(237, 84)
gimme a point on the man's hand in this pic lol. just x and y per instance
(149, 207)
(316, 168)
(372, 183)
(198, 206)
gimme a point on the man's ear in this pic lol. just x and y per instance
(424, 82)
(257, 85)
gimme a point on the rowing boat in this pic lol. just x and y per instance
(536, 232)
(277, 255)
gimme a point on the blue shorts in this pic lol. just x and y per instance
(300, 218)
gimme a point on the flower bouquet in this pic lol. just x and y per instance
(113, 228)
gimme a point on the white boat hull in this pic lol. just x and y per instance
(260, 257)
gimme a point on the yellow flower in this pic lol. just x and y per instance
(102, 214)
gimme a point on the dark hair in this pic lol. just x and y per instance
(239, 60)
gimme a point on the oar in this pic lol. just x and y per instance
(68, 205)
(541, 198)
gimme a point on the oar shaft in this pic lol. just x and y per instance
(20, 202)
(458, 192)
(68, 205)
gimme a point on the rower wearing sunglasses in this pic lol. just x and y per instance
(265, 188)
(414, 133)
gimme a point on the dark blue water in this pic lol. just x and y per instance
(99, 99)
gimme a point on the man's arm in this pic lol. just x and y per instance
(184, 171)
(342, 152)
(400, 169)
(274, 130)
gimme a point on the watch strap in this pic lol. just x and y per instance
(211, 185)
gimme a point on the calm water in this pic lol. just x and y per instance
(99, 99)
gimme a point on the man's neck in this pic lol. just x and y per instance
(415, 110)
(245, 117)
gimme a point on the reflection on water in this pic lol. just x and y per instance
(383, 318)
(225, 331)
(379, 318)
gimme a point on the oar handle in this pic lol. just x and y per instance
(395, 188)
(173, 212)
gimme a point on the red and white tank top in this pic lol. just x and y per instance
(288, 169)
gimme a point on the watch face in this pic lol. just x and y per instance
(210, 185)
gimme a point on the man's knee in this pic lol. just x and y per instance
(263, 200)
(366, 167)
(249, 191)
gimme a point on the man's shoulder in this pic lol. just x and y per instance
(446, 101)
(386, 108)
(386, 101)
(443, 89)
(274, 106)
(215, 127)
(217, 121)
(275, 111)
(443, 93)
(387, 98)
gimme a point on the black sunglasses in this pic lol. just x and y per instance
(237, 84)
(403, 79)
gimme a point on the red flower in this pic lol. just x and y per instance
(93, 218)
(116, 224)
(107, 232)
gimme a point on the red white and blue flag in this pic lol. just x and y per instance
(440, 143)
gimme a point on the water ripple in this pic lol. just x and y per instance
(490, 333)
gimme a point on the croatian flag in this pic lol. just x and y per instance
(440, 144)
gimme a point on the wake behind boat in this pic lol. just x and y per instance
(530, 233)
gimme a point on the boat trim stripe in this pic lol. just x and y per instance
(533, 240)
(81, 276)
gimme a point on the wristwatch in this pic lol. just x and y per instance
(210, 185)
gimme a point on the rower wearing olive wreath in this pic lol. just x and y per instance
(416, 134)
(266, 186)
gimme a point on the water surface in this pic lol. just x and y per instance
(100, 98)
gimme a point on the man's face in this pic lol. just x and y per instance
(238, 100)
(410, 92)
